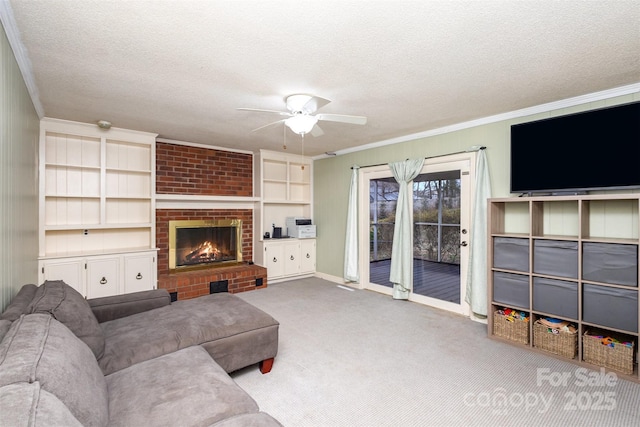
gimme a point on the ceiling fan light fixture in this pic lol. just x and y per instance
(301, 123)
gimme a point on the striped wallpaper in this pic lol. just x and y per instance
(19, 133)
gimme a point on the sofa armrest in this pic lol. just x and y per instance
(117, 306)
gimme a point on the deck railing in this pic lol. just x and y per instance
(432, 241)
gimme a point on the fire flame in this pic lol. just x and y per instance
(203, 253)
(208, 249)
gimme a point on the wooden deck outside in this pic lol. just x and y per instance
(431, 279)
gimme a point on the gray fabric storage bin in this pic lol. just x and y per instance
(612, 307)
(555, 258)
(511, 253)
(511, 289)
(557, 297)
(610, 263)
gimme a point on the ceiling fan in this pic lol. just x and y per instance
(301, 118)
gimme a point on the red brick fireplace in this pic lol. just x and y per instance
(196, 176)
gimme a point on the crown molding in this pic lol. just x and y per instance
(542, 108)
(24, 64)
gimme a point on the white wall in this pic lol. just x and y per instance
(19, 133)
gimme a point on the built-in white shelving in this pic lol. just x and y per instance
(97, 190)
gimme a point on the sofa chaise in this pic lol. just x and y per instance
(130, 360)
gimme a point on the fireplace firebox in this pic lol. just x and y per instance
(204, 243)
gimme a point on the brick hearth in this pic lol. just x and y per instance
(191, 284)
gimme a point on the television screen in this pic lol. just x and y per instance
(598, 149)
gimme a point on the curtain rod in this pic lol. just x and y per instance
(474, 148)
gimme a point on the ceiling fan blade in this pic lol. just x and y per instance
(342, 118)
(268, 125)
(258, 110)
(314, 104)
(316, 131)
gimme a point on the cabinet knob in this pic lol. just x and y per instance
(292, 258)
(463, 244)
(139, 276)
(103, 281)
(308, 256)
(275, 259)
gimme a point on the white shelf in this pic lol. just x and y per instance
(97, 190)
(283, 182)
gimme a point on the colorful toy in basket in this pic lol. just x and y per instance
(611, 342)
(555, 326)
(512, 315)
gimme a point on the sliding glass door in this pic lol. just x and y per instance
(436, 235)
(441, 206)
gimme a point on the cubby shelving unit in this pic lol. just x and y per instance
(573, 258)
(97, 208)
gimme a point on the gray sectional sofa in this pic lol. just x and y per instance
(130, 360)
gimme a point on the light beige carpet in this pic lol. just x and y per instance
(359, 358)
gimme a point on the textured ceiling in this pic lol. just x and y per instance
(181, 68)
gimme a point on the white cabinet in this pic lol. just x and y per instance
(307, 256)
(103, 275)
(97, 205)
(70, 270)
(139, 272)
(274, 260)
(289, 258)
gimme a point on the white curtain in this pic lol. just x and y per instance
(402, 249)
(477, 272)
(351, 273)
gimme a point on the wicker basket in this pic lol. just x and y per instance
(512, 329)
(619, 357)
(562, 343)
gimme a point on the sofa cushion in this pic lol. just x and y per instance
(184, 388)
(117, 306)
(27, 404)
(144, 336)
(20, 303)
(39, 348)
(68, 306)
(4, 328)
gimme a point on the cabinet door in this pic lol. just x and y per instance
(69, 270)
(138, 273)
(103, 277)
(274, 260)
(307, 256)
(291, 258)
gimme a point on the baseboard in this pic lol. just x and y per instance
(338, 280)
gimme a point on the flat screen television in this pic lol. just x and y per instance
(592, 150)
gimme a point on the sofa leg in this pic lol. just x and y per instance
(266, 365)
